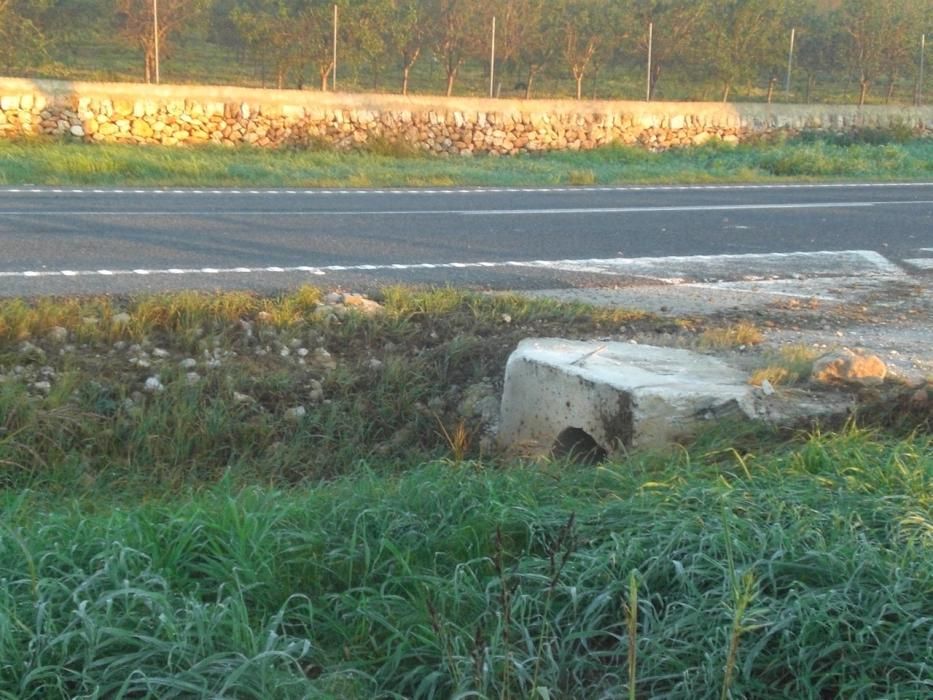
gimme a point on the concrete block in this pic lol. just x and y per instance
(570, 396)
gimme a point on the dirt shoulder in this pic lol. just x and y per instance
(890, 316)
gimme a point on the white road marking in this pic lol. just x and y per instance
(668, 270)
(484, 212)
(705, 207)
(477, 190)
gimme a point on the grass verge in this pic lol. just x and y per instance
(796, 571)
(280, 390)
(43, 163)
(199, 537)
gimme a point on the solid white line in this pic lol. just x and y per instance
(486, 212)
(648, 210)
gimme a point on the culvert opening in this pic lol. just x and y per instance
(578, 446)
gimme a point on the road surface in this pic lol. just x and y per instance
(87, 240)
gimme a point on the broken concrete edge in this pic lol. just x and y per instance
(588, 400)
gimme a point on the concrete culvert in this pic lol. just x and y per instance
(578, 446)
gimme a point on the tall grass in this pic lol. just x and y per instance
(80, 164)
(806, 572)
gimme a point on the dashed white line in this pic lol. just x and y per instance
(674, 269)
(475, 190)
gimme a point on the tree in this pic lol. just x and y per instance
(740, 38)
(820, 42)
(403, 33)
(458, 33)
(369, 21)
(537, 40)
(674, 23)
(135, 18)
(268, 28)
(22, 43)
(583, 25)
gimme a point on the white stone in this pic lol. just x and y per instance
(296, 413)
(9, 102)
(58, 334)
(77, 130)
(622, 396)
(188, 363)
(153, 385)
(159, 352)
(192, 378)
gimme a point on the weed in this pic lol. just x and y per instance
(736, 335)
(790, 364)
(581, 177)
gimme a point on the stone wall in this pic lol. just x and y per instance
(179, 114)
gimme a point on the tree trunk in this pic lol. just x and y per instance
(655, 76)
(888, 97)
(771, 85)
(280, 78)
(863, 92)
(408, 61)
(325, 73)
(148, 61)
(451, 76)
(811, 83)
(579, 78)
(531, 78)
(725, 92)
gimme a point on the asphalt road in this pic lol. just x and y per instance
(92, 240)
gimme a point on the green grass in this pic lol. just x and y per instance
(803, 570)
(44, 163)
(189, 543)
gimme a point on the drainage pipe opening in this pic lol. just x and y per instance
(578, 446)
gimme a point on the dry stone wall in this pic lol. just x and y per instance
(191, 115)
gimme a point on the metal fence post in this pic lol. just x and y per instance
(492, 57)
(790, 61)
(919, 96)
(650, 38)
